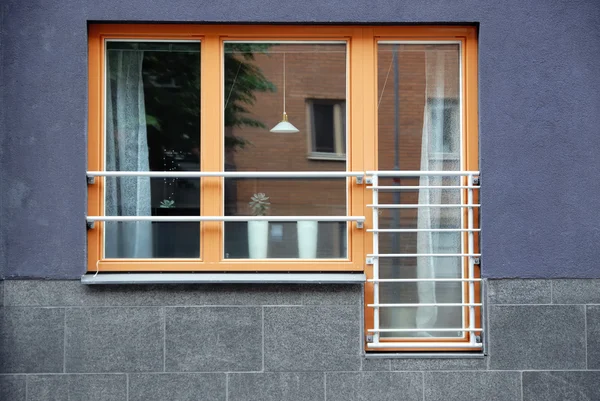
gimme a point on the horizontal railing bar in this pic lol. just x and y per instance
(420, 304)
(413, 206)
(427, 230)
(407, 173)
(418, 280)
(415, 187)
(227, 174)
(224, 218)
(423, 345)
(423, 329)
(415, 255)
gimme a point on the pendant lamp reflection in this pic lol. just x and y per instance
(284, 126)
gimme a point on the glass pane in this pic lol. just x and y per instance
(419, 130)
(255, 93)
(152, 124)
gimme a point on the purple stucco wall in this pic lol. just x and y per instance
(539, 121)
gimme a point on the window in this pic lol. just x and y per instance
(444, 115)
(189, 170)
(327, 126)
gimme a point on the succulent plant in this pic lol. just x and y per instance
(259, 204)
(167, 204)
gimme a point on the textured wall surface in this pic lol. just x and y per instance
(61, 340)
(539, 119)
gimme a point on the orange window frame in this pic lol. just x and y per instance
(362, 133)
(467, 36)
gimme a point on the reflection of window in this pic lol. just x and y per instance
(444, 119)
(326, 123)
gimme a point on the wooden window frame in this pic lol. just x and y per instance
(361, 140)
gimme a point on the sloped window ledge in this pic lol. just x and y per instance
(227, 278)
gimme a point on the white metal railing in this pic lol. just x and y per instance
(226, 174)
(469, 183)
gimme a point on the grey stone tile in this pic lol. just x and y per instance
(177, 386)
(102, 387)
(12, 387)
(1, 292)
(561, 386)
(296, 386)
(257, 294)
(593, 337)
(214, 339)
(114, 340)
(52, 293)
(375, 364)
(472, 386)
(439, 364)
(576, 291)
(202, 295)
(312, 338)
(537, 337)
(374, 386)
(519, 291)
(332, 294)
(31, 340)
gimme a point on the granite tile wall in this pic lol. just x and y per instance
(61, 340)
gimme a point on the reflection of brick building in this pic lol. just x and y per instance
(312, 72)
(319, 72)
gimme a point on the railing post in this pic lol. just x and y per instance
(471, 251)
(375, 259)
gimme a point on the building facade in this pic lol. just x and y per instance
(537, 117)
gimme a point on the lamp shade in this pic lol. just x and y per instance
(284, 126)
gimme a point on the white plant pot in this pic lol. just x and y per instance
(307, 239)
(258, 239)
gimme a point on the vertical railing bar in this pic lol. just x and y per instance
(471, 250)
(375, 260)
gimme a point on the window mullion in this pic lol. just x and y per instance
(211, 193)
(364, 123)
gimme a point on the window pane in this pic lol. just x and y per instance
(419, 130)
(324, 135)
(152, 124)
(254, 95)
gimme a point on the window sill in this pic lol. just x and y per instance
(428, 355)
(225, 278)
(326, 156)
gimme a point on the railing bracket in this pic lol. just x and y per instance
(359, 180)
(90, 179)
(89, 225)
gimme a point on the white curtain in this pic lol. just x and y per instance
(433, 158)
(127, 150)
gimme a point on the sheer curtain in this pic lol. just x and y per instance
(433, 158)
(127, 150)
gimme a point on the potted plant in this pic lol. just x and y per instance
(258, 231)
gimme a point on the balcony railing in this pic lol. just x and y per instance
(469, 183)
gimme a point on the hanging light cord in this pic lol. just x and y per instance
(385, 83)
(233, 84)
(283, 83)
